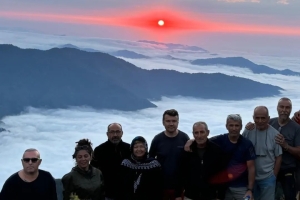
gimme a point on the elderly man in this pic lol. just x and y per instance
(30, 182)
(268, 154)
(240, 153)
(167, 147)
(289, 139)
(199, 170)
(108, 157)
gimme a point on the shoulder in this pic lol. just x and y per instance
(125, 145)
(96, 171)
(159, 136)
(101, 146)
(44, 173)
(272, 130)
(14, 177)
(273, 120)
(67, 177)
(245, 141)
(218, 138)
(183, 135)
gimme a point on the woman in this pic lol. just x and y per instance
(84, 181)
(141, 175)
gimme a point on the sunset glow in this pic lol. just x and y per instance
(161, 22)
(152, 20)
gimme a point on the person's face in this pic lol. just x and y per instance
(200, 134)
(139, 150)
(234, 127)
(261, 118)
(115, 133)
(31, 162)
(83, 159)
(284, 109)
(170, 123)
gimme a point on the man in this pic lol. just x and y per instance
(108, 157)
(289, 139)
(30, 182)
(167, 147)
(296, 118)
(199, 168)
(268, 154)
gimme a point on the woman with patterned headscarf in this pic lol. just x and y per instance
(141, 176)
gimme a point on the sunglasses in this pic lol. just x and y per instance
(33, 160)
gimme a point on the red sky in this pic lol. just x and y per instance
(147, 19)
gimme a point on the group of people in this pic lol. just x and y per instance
(253, 164)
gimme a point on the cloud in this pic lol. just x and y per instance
(285, 2)
(240, 1)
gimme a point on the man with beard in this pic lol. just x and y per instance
(31, 182)
(289, 139)
(268, 154)
(167, 148)
(108, 157)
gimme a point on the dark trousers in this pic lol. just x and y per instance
(287, 180)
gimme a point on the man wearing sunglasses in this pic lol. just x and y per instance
(30, 182)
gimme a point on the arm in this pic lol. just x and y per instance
(67, 186)
(295, 151)
(277, 164)
(152, 151)
(251, 177)
(53, 191)
(183, 168)
(7, 191)
(95, 157)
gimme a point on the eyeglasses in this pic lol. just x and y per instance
(33, 160)
(114, 132)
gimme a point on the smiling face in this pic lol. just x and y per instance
(31, 162)
(284, 109)
(83, 159)
(139, 150)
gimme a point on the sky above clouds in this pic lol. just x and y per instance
(231, 24)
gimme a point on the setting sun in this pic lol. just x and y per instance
(161, 22)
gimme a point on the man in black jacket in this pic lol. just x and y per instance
(201, 169)
(108, 157)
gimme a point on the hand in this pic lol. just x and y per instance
(249, 193)
(279, 139)
(250, 126)
(187, 146)
(296, 117)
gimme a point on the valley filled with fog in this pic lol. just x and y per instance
(54, 132)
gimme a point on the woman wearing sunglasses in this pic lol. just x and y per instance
(141, 176)
(84, 181)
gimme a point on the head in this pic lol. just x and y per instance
(171, 120)
(284, 108)
(139, 147)
(261, 117)
(234, 124)
(31, 161)
(114, 133)
(83, 154)
(200, 133)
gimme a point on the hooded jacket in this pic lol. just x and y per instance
(86, 185)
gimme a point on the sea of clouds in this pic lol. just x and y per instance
(54, 132)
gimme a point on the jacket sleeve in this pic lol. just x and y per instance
(102, 193)
(67, 186)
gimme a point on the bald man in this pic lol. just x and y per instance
(30, 182)
(268, 154)
(108, 157)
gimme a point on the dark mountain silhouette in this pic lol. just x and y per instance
(169, 57)
(128, 54)
(172, 46)
(243, 63)
(59, 78)
(76, 47)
